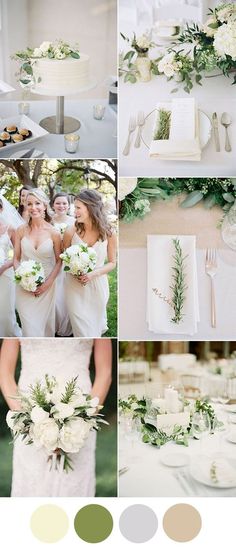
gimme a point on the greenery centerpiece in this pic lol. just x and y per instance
(48, 50)
(136, 196)
(210, 46)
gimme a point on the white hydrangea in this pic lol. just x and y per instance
(143, 205)
(126, 186)
(80, 259)
(143, 42)
(37, 52)
(227, 13)
(225, 40)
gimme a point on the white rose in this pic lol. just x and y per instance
(73, 435)
(38, 414)
(45, 47)
(143, 42)
(126, 186)
(59, 55)
(45, 434)
(37, 53)
(62, 410)
(84, 257)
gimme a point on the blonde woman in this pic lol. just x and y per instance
(38, 240)
(87, 296)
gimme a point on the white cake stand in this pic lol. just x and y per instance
(59, 123)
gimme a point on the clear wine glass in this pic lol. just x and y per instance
(201, 425)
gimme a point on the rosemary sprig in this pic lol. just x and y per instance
(163, 125)
(69, 390)
(179, 285)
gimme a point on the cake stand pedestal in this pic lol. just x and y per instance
(59, 123)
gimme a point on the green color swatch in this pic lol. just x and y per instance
(93, 523)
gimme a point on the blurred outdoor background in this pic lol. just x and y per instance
(106, 454)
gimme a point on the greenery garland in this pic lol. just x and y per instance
(211, 192)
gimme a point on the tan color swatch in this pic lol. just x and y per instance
(182, 522)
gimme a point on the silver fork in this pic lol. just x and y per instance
(211, 269)
(140, 121)
(132, 126)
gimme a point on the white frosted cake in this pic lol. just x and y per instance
(61, 76)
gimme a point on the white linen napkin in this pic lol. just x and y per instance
(183, 143)
(160, 251)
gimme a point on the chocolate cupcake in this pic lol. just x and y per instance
(11, 129)
(5, 137)
(16, 138)
(25, 133)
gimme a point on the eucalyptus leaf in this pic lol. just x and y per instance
(75, 55)
(209, 201)
(193, 198)
(228, 197)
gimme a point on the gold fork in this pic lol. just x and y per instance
(211, 269)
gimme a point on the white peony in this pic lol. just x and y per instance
(78, 400)
(143, 42)
(225, 40)
(73, 435)
(168, 65)
(126, 186)
(44, 47)
(45, 434)
(61, 411)
(38, 414)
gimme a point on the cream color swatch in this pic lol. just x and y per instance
(49, 523)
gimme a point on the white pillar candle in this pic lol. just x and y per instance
(172, 400)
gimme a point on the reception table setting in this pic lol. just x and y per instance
(172, 445)
(182, 257)
(177, 97)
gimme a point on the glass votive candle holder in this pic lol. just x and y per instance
(23, 108)
(98, 112)
(71, 142)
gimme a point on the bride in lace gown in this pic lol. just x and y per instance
(87, 296)
(64, 359)
(38, 240)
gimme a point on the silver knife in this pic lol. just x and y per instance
(28, 154)
(216, 132)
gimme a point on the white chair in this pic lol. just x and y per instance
(176, 361)
(133, 371)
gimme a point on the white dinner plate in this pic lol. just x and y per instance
(231, 438)
(175, 460)
(199, 471)
(21, 121)
(204, 128)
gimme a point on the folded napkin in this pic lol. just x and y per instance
(160, 251)
(218, 471)
(183, 143)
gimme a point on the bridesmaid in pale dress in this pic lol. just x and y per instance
(61, 220)
(87, 296)
(22, 208)
(8, 323)
(39, 241)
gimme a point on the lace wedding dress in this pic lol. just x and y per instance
(63, 359)
(37, 314)
(8, 323)
(87, 304)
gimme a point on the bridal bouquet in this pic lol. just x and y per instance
(213, 47)
(79, 259)
(57, 417)
(30, 274)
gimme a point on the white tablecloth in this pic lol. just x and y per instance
(216, 94)
(132, 301)
(147, 476)
(97, 137)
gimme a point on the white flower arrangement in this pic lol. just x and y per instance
(56, 417)
(30, 275)
(50, 50)
(79, 259)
